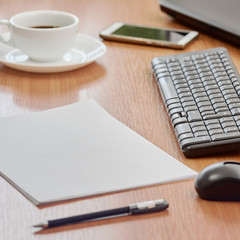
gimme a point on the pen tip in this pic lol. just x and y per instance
(42, 224)
(37, 225)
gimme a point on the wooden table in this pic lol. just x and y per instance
(123, 84)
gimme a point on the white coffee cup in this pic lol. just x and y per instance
(43, 35)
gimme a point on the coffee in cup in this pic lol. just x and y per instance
(43, 35)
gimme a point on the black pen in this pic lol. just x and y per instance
(132, 209)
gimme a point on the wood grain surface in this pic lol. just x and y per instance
(122, 82)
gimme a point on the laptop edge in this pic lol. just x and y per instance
(199, 23)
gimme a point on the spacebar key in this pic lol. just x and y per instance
(225, 136)
(192, 141)
(167, 87)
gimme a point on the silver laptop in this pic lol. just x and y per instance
(220, 19)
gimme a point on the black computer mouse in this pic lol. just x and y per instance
(219, 181)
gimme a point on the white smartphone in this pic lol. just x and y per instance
(163, 37)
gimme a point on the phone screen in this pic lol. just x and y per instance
(149, 33)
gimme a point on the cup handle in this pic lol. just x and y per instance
(4, 39)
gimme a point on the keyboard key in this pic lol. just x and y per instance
(234, 105)
(219, 115)
(175, 110)
(174, 105)
(211, 121)
(185, 136)
(215, 131)
(199, 140)
(218, 100)
(225, 136)
(226, 119)
(162, 74)
(230, 129)
(194, 116)
(235, 111)
(199, 129)
(187, 99)
(161, 70)
(219, 105)
(182, 129)
(179, 121)
(200, 134)
(181, 85)
(205, 109)
(196, 85)
(183, 90)
(188, 104)
(197, 124)
(168, 88)
(190, 108)
(172, 101)
(214, 126)
(204, 104)
(221, 109)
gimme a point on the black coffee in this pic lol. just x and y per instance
(45, 27)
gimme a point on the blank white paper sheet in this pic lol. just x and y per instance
(79, 150)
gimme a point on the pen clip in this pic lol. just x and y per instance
(148, 207)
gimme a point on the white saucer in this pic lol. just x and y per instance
(85, 51)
